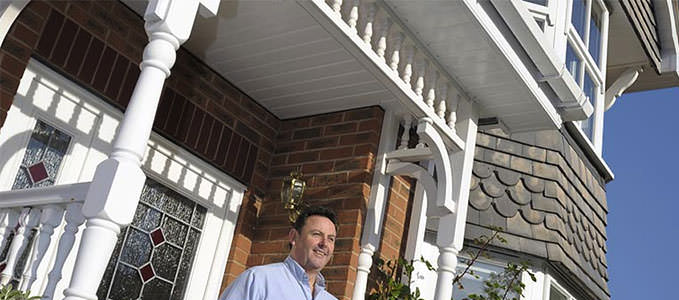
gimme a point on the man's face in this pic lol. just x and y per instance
(313, 246)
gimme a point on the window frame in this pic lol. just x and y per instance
(199, 181)
(549, 283)
(597, 72)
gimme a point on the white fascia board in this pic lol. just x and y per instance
(667, 30)
(506, 48)
(573, 101)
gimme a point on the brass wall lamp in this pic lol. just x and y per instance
(292, 190)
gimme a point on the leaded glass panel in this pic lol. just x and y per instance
(43, 156)
(156, 251)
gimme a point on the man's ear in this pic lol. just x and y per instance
(292, 235)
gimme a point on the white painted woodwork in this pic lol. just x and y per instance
(45, 95)
(74, 218)
(309, 57)
(50, 217)
(379, 191)
(27, 221)
(118, 181)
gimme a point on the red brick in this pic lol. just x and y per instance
(64, 43)
(311, 168)
(374, 125)
(341, 128)
(75, 58)
(12, 66)
(362, 114)
(50, 34)
(337, 153)
(322, 143)
(25, 35)
(359, 138)
(327, 118)
(303, 157)
(307, 133)
(6, 100)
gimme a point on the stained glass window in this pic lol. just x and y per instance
(44, 153)
(153, 257)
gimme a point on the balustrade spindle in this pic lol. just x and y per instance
(405, 137)
(353, 15)
(337, 7)
(50, 218)
(396, 51)
(408, 66)
(420, 72)
(74, 218)
(443, 97)
(369, 23)
(27, 221)
(452, 111)
(7, 223)
(381, 45)
(431, 81)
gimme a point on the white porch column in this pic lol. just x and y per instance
(378, 193)
(450, 236)
(118, 181)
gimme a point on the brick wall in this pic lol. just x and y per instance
(98, 44)
(336, 154)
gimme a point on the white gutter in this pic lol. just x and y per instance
(666, 18)
(573, 103)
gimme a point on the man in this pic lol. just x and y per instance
(298, 277)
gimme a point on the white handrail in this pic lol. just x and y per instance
(57, 194)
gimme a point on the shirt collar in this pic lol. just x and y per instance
(299, 273)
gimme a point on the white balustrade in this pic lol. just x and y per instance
(50, 217)
(74, 218)
(27, 221)
(45, 209)
(400, 51)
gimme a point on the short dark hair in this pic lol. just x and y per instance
(315, 211)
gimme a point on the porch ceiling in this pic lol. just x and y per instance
(281, 56)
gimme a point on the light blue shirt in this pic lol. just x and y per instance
(279, 281)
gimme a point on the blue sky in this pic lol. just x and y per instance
(641, 145)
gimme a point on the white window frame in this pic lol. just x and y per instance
(550, 283)
(55, 100)
(597, 72)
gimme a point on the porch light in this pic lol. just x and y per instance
(292, 190)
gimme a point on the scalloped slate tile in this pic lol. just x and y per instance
(482, 170)
(479, 200)
(532, 216)
(555, 223)
(492, 187)
(505, 207)
(474, 183)
(507, 177)
(533, 184)
(519, 194)
(545, 204)
(517, 225)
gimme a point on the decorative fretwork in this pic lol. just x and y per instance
(153, 257)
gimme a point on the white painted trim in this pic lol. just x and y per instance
(588, 148)
(56, 194)
(513, 58)
(218, 192)
(573, 104)
(9, 11)
(372, 225)
(668, 35)
(365, 55)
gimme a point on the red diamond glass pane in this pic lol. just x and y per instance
(146, 272)
(157, 237)
(38, 172)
